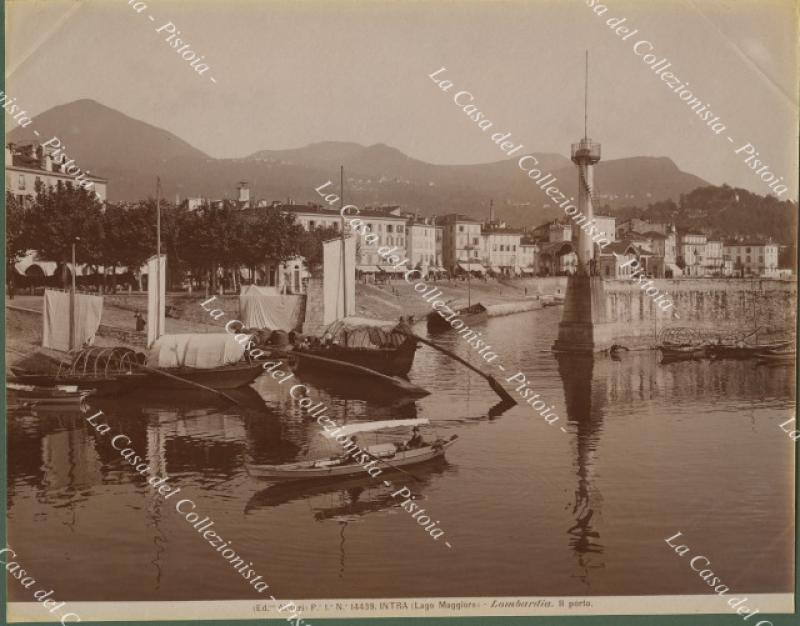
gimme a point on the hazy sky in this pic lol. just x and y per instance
(293, 73)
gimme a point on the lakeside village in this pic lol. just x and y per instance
(316, 288)
(451, 246)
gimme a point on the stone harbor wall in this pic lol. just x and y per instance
(599, 313)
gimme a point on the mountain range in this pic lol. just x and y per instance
(131, 153)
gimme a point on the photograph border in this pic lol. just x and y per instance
(721, 619)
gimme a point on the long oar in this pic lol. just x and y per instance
(394, 467)
(187, 382)
(496, 387)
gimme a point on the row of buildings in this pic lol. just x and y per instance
(458, 244)
(662, 249)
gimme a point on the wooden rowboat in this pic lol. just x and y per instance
(335, 466)
(57, 397)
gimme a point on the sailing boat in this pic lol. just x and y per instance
(382, 346)
(212, 360)
(388, 455)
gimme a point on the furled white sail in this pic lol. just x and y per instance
(156, 297)
(338, 283)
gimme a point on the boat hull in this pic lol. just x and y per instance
(475, 314)
(102, 386)
(350, 374)
(745, 352)
(310, 470)
(226, 377)
(388, 361)
(682, 353)
(46, 397)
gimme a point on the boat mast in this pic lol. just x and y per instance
(343, 255)
(159, 330)
(72, 325)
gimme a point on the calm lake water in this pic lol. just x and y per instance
(530, 510)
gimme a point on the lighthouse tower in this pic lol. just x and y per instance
(585, 154)
(585, 326)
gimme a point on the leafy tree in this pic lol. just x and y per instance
(17, 238)
(311, 243)
(60, 216)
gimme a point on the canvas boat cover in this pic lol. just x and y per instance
(362, 332)
(275, 312)
(198, 350)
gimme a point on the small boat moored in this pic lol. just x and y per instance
(388, 456)
(470, 315)
(50, 397)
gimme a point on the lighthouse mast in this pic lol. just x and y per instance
(585, 154)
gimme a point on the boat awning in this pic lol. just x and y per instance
(496, 269)
(369, 269)
(370, 426)
(472, 267)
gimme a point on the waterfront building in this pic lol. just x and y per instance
(312, 216)
(713, 260)
(554, 231)
(421, 244)
(461, 243)
(28, 163)
(557, 258)
(691, 253)
(752, 258)
(528, 256)
(614, 261)
(606, 224)
(500, 249)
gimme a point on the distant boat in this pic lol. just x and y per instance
(786, 355)
(745, 351)
(552, 300)
(470, 315)
(392, 455)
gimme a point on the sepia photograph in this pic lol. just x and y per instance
(364, 309)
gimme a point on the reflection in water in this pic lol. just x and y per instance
(500, 493)
(584, 413)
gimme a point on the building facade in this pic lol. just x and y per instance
(752, 258)
(500, 250)
(421, 244)
(461, 241)
(29, 163)
(691, 253)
